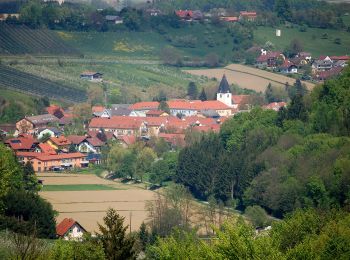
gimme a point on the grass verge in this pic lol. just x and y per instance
(77, 187)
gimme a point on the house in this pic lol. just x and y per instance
(115, 110)
(51, 131)
(305, 55)
(114, 19)
(60, 143)
(69, 229)
(322, 65)
(153, 12)
(45, 149)
(270, 59)
(156, 113)
(229, 19)
(197, 15)
(241, 102)
(173, 139)
(5, 16)
(127, 140)
(324, 75)
(288, 67)
(92, 145)
(7, 129)
(94, 158)
(248, 16)
(23, 143)
(32, 123)
(141, 108)
(56, 111)
(186, 15)
(91, 76)
(48, 162)
(275, 105)
(121, 125)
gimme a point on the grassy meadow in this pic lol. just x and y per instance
(311, 40)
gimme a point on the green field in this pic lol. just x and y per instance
(77, 187)
(311, 40)
(147, 45)
(17, 40)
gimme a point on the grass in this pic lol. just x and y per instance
(311, 40)
(91, 170)
(77, 187)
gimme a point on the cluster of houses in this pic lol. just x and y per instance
(40, 139)
(197, 15)
(322, 68)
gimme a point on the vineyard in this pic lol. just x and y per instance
(14, 79)
(18, 40)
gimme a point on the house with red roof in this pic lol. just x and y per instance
(127, 140)
(32, 123)
(270, 59)
(186, 15)
(288, 67)
(141, 108)
(275, 105)
(324, 75)
(193, 107)
(173, 139)
(59, 143)
(248, 16)
(120, 125)
(45, 148)
(229, 19)
(56, 111)
(22, 143)
(69, 229)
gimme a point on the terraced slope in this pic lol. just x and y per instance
(19, 40)
(14, 79)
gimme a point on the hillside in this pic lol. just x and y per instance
(24, 82)
(18, 40)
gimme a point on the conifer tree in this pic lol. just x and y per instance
(192, 90)
(117, 245)
(202, 95)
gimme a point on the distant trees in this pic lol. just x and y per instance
(202, 96)
(192, 91)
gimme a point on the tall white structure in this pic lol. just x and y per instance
(224, 93)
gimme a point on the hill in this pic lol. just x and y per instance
(17, 40)
(24, 82)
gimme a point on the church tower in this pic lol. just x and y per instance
(224, 93)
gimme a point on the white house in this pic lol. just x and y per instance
(69, 229)
(52, 131)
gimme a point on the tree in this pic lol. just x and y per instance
(145, 158)
(212, 60)
(117, 245)
(257, 216)
(294, 48)
(159, 172)
(163, 106)
(88, 249)
(95, 95)
(192, 90)
(283, 10)
(143, 235)
(171, 56)
(115, 158)
(31, 13)
(202, 95)
(297, 108)
(29, 178)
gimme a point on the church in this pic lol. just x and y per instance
(225, 96)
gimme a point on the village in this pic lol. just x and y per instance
(39, 139)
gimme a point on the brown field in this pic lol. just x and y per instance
(247, 77)
(89, 207)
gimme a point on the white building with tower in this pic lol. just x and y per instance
(224, 93)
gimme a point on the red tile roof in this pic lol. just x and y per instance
(174, 139)
(94, 141)
(63, 227)
(245, 13)
(46, 148)
(76, 139)
(324, 75)
(191, 120)
(61, 140)
(230, 19)
(240, 99)
(205, 128)
(286, 64)
(144, 106)
(197, 105)
(128, 139)
(184, 13)
(60, 156)
(97, 109)
(116, 122)
(53, 109)
(29, 154)
(23, 142)
(336, 58)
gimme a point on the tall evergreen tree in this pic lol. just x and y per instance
(202, 95)
(117, 245)
(30, 181)
(192, 90)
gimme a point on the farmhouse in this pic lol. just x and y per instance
(59, 143)
(122, 125)
(51, 131)
(114, 19)
(184, 14)
(288, 67)
(69, 229)
(270, 59)
(29, 124)
(91, 76)
(141, 108)
(23, 143)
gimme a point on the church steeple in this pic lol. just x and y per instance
(224, 87)
(224, 94)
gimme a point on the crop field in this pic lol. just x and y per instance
(311, 40)
(11, 78)
(89, 206)
(247, 77)
(17, 40)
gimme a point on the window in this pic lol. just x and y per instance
(39, 163)
(228, 95)
(220, 95)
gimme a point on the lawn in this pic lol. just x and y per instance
(311, 40)
(77, 187)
